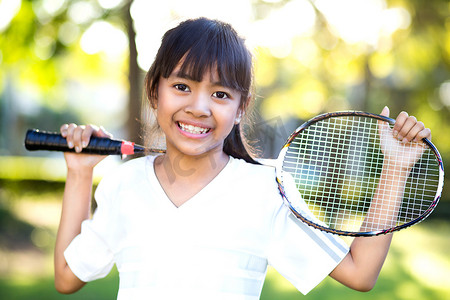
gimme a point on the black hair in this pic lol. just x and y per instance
(202, 45)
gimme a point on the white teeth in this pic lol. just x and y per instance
(193, 129)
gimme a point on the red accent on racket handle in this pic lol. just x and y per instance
(127, 148)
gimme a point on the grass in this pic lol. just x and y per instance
(21, 288)
(417, 267)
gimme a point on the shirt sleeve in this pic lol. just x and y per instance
(300, 253)
(89, 255)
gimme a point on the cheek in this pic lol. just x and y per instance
(163, 111)
(228, 118)
(163, 103)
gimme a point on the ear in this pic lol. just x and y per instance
(238, 117)
(239, 114)
(153, 99)
(153, 103)
(242, 109)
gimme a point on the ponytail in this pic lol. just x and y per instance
(235, 146)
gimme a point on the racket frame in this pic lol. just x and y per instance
(296, 213)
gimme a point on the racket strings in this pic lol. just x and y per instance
(336, 164)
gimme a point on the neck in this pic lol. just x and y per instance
(176, 167)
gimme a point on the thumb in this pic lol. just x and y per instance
(101, 132)
(383, 126)
(385, 111)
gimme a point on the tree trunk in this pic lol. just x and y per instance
(133, 125)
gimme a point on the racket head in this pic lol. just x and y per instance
(335, 169)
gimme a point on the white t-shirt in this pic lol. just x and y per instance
(217, 245)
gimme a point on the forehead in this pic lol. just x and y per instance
(210, 74)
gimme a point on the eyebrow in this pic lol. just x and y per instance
(189, 77)
(182, 75)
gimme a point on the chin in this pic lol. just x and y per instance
(200, 150)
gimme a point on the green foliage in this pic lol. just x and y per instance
(402, 71)
(407, 70)
(14, 233)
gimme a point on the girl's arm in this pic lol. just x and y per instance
(362, 265)
(76, 201)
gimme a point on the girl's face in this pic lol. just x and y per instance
(196, 117)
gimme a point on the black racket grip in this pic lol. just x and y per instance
(42, 140)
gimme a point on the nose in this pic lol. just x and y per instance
(199, 105)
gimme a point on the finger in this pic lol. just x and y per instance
(68, 131)
(385, 111)
(101, 132)
(418, 127)
(403, 134)
(425, 133)
(88, 131)
(399, 122)
(63, 129)
(383, 127)
(77, 138)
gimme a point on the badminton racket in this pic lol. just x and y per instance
(330, 172)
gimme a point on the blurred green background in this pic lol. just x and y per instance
(84, 60)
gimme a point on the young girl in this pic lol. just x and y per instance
(203, 220)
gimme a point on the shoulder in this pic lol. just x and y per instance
(130, 167)
(253, 172)
(136, 164)
(129, 173)
(256, 180)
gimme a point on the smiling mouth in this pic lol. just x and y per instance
(193, 129)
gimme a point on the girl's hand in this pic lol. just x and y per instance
(402, 145)
(78, 137)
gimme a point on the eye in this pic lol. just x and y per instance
(221, 95)
(182, 87)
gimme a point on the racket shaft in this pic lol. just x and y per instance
(38, 140)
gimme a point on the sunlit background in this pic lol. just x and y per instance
(84, 61)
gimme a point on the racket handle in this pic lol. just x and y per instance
(41, 140)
